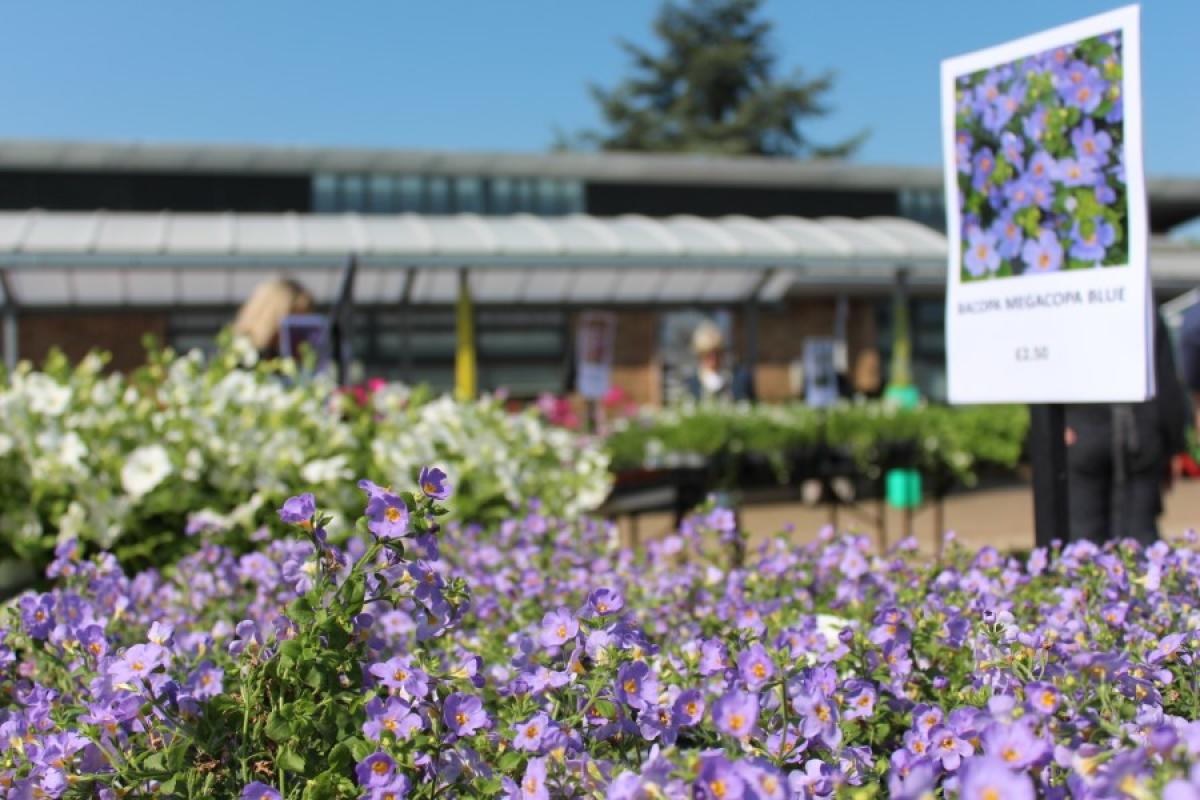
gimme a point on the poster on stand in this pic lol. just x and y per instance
(594, 353)
(1048, 290)
(820, 371)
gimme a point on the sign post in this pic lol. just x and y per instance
(1048, 296)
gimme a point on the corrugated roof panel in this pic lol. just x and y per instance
(638, 285)
(131, 233)
(866, 239)
(592, 285)
(61, 232)
(153, 287)
(551, 285)
(644, 236)
(456, 236)
(811, 238)
(726, 286)
(406, 234)
(701, 237)
(517, 236)
(323, 233)
(94, 287)
(44, 287)
(199, 286)
(194, 234)
(500, 286)
(274, 234)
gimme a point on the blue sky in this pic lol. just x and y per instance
(503, 74)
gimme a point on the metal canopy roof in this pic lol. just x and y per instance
(166, 259)
(116, 259)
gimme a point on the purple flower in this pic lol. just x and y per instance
(1015, 745)
(558, 628)
(393, 716)
(533, 783)
(207, 681)
(259, 791)
(1009, 235)
(714, 657)
(860, 700)
(815, 781)
(299, 509)
(1034, 123)
(37, 615)
(1081, 86)
(376, 770)
(387, 516)
(464, 714)
(718, 779)
(637, 685)
(1076, 172)
(604, 601)
(981, 168)
(1012, 146)
(945, 745)
(1093, 246)
(136, 663)
(1020, 192)
(1042, 166)
(735, 713)
(755, 666)
(434, 483)
(819, 717)
(689, 707)
(1043, 254)
(529, 733)
(1090, 143)
(397, 673)
(986, 778)
(982, 257)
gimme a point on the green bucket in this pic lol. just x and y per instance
(903, 488)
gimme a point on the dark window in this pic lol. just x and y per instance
(153, 191)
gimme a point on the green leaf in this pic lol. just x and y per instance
(290, 760)
(301, 612)
(278, 728)
(291, 652)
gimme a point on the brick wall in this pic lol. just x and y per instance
(76, 334)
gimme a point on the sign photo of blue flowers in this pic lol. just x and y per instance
(1039, 151)
(1042, 142)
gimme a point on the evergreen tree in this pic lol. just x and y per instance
(713, 90)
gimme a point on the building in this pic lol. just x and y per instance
(101, 243)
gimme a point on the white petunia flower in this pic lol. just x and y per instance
(145, 469)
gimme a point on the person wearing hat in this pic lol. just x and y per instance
(712, 381)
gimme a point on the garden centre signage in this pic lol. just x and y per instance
(1048, 293)
(594, 353)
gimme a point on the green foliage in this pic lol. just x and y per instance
(951, 441)
(713, 89)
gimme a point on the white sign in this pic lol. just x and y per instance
(1047, 297)
(820, 371)
(594, 353)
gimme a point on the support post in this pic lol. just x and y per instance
(12, 347)
(464, 353)
(1048, 455)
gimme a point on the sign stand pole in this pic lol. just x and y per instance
(1048, 455)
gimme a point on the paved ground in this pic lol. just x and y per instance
(1002, 518)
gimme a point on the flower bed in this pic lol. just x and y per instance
(544, 661)
(954, 442)
(129, 462)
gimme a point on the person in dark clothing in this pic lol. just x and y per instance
(1119, 457)
(1189, 356)
(711, 380)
